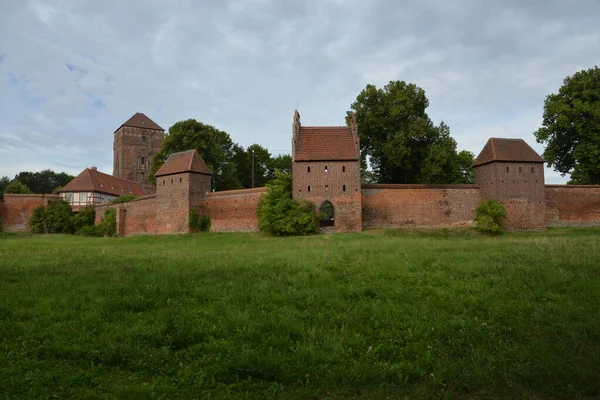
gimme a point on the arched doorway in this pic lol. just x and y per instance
(326, 215)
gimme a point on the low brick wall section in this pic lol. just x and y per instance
(138, 218)
(233, 210)
(418, 205)
(572, 205)
(18, 208)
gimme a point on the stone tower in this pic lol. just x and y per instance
(135, 143)
(326, 168)
(181, 185)
(510, 171)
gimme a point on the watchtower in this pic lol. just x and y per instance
(181, 185)
(510, 171)
(135, 143)
(326, 170)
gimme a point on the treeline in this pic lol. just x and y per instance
(46, 181)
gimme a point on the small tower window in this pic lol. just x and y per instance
(506, 169)
(344, 188)
(326, 188)
(308, 169)
(531, 169)
(309, 188)
(520, 170)
(343, 168)
(179, 179)
(142, 160)
(326, 170)
(171, 180)
(143, 139)
(163, 181)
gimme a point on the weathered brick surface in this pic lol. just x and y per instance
(335, 181)
(520, 186)
(128, 149)
(18, 208)
(418, 205)
(570, 205)
(137, 217)
(233, 210)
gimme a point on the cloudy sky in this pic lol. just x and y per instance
(72, 71)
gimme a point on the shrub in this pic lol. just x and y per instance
(85, 217)
(205, 223)
(490, 216)
(124, 198)
(108, 223)
(193, 223)
(58, 217)
(37, 223)
(90, 231)
(279, 214)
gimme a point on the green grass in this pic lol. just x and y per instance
(382, 314)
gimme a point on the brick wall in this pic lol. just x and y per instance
(520, 186)
(137, 217)
(572, 205)
(128, 149)
(18, 208)
(335, 181)
(233, 210)
(418, 205)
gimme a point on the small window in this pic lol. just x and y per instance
(520, 170)
(179, 179)
(326, 188)
(102, 185)
(308, 169)
(309, 188)
(142, 160)
(531, 169)
(506, 169)
(143, 139)
(171, 180)
(326, 169)
(343, 168)
(344, 188)
(163, 181)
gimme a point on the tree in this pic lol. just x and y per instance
(400, 140)
(4, 181)
(244, 159)
(279, 214)
(571, 127)
(46, 181)
(282, 162)
(16, 187)
(214, 146)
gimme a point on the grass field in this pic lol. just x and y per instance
(382, 314)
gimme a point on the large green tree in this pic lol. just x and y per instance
(214, 146)
(257, 155)
(4, 181)
(571, 127)
(46, 181)
(399, 140)
(16, 187)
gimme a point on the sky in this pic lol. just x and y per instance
(71, 72)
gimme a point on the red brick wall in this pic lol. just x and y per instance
(128, 148)
(520, 186)
(418, 205)
(571, 205)
(18, 208)
(233, 210)
(138, 216)
(329, 186)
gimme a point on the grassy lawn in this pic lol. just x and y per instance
(382, 314)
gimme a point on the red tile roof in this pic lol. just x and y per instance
(325, 143)
(511, 150)
(91, 180)
(140, 120)
(186, 161)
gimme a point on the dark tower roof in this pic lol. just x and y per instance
(140, 120)
(325, 143)
(508, 150)
(92, 180)
(185, 161)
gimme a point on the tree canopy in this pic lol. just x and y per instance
(400, 140)
(230, 163)
(46, 181)
(16, 187)
(571, 127)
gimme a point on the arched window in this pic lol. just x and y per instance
(179, 179)
(343, 168)
(506, 169)
(326, 188)
(326, 169)
(308, 169)
(344, 188)
(326, 214)
(171, 180)
(520, 169)
(309, 188)
(531, 169)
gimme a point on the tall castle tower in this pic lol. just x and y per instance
(135, 143)
(326, 169)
